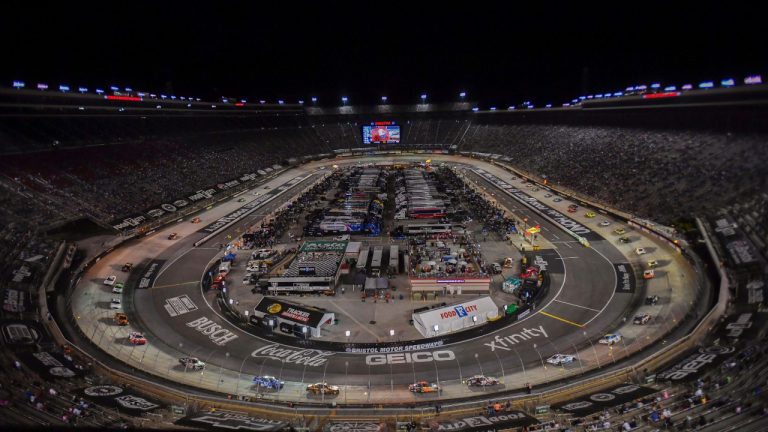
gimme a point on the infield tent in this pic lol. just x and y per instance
(455, 317)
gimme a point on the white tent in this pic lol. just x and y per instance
(455, 317)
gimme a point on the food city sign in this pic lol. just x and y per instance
(406, 357)
(307, 357)
(458, 311)
(504, 342)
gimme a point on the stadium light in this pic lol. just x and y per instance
(99, 91)
(566, 104)
(655, 85)
(423, 98)
(301, 102)
(670, 88)
(687, 87)
(262, 102)
(18, 84)
(344, 100)
(728, 82)
(173, 97)
(753, 79)
(314, 99)
(162, 96)
(114, 88)
(197, 99)
(82, 89)
(183, 98)
(548, 106)
(510, 108)
(142, 94)
(475, 109)
(384, 99)
(706, 85)
(63, 88)
(280, 101)
(128, 89)
(493, 108)
(463, 95)
(41, 86)
(599, 96)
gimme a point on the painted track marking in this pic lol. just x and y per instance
(561, 319)
(578, 306)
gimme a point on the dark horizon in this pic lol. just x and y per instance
(498, 55)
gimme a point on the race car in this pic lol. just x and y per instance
(192, 363)
(560, 359)
(610, 339)
(605, 222)
(649, 274)
(323, 388)
(136, 338)
(195, 220)
(118, 288)
(624, 239)
(481, 381)
(268, 382)
(549, 195)
(241, 200)
(423, 387)
(572, 208)
(640, 251)
(619, 231)
(173, 236)
(642, 319)
(127, 267)
(651, 300)
(110, 280)
(115, 304)
(121, 319)
(653, 263)
(589, 214)
(557, 199)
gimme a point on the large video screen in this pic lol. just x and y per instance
(381, 133)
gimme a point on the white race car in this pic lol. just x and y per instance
(560, 359)
(110, 280)
(610, 339)
(116, 303)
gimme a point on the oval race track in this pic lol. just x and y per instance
(582, 298)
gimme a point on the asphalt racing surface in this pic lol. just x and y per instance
(583, 302)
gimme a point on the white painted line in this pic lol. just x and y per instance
(348, 315)
(578, 306)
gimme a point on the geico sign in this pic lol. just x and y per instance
(417, 357)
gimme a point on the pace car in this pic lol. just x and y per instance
(268, 382)
(560, 359)
(481, 381)
(323, 388)
(423, 387)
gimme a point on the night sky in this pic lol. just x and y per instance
(500, 53)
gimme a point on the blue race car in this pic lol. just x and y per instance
(268, 382)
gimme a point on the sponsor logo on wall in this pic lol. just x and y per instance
(179, 305)
(407, 357)
(307, 357)
(231, 421)
(21, 333)
(607, 398)
(736, 328)
(114, 396)
(505, 343)
(511, 419)
(399, 348)
(352, 427)
(696, 363)
(215, 332)
(51, 365)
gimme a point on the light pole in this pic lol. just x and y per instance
(392, 334)
(576, 353)
(525, 374)
(280, 377)
(322, 392)
(593, 349)
(437, 376)
(221, 368)
(500, 365)
(347, 333)
(346, 380)
(479, 366)
(458, 365)
(546, 373)
(239, 375)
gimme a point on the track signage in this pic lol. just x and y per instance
(215, 332)
(307, 357)
(625, 278)
(406, 357)
(504, 342)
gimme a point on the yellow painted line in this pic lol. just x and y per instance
(561, 319)
(178, 284)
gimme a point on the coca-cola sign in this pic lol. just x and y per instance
(307, 357)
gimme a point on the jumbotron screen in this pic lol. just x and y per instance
(381, 133)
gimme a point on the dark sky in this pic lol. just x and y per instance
(501, 53)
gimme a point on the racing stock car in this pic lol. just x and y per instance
(423, 387)
(323, 388)
(191, 363)
(268, 382)
(481, 381)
